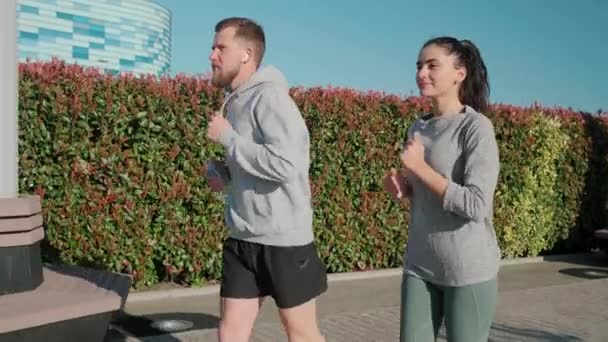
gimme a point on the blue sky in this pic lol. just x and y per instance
(551, 51)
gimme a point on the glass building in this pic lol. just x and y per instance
(113, 35)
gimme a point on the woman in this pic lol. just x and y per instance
(449, 172)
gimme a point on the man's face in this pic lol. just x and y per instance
(227, 54)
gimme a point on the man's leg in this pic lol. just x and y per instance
(240, 295)
(300, 322)
(237, 318)
(298, 277)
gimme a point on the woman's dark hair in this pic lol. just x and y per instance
(475, 89)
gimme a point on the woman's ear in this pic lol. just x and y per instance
(461, 74)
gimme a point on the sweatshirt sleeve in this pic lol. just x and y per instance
(474, 198)
(285, 135)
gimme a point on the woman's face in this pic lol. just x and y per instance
(439, 73)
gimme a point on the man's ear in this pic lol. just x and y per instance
(247, 56)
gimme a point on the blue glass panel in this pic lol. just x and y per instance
(97, 46)
(54, 33)
(66, 16)
(97, 27)
(80, 52)
(28, 9)
(112, 42)
(143, 59)
(81, 19)
(126, 63)
(95, 33)
(82, 31)
(28, 35)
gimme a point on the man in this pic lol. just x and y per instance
(270, 251)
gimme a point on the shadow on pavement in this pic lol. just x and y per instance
(586, 273)
(597, 259)
(501, 332)
(585, 266)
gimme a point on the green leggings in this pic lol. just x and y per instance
(468, 310)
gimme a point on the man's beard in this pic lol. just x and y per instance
(223, 78)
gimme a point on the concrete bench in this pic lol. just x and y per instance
(49, 303)
(21, 230)
(601, 234)
(72, 303)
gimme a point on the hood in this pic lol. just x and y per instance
(265, 74)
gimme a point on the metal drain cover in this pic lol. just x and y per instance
(171, 325)
(594, 273)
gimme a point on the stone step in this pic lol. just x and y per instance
(70, 302)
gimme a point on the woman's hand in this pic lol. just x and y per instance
(412, 157)
(396, 185)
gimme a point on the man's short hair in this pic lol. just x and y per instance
(249, 30)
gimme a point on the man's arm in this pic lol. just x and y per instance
(285, 137)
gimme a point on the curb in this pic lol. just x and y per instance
(152, 295)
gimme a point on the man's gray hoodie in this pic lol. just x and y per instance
(267, 154)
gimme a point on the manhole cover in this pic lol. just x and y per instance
(171, 325)
(598, 274)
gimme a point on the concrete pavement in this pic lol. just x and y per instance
(556, 299)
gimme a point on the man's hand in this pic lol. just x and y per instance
(214, 177)
(215, 183)
(217, 126)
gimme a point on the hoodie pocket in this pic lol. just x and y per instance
(263, 203)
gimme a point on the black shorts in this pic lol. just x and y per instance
(290, 275)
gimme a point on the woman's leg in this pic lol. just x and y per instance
(469, 311)
(421, 310)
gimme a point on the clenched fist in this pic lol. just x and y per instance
(412, 157)
(217, 126)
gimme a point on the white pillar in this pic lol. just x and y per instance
(8, 99)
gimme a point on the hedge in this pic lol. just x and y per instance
(119, 163)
